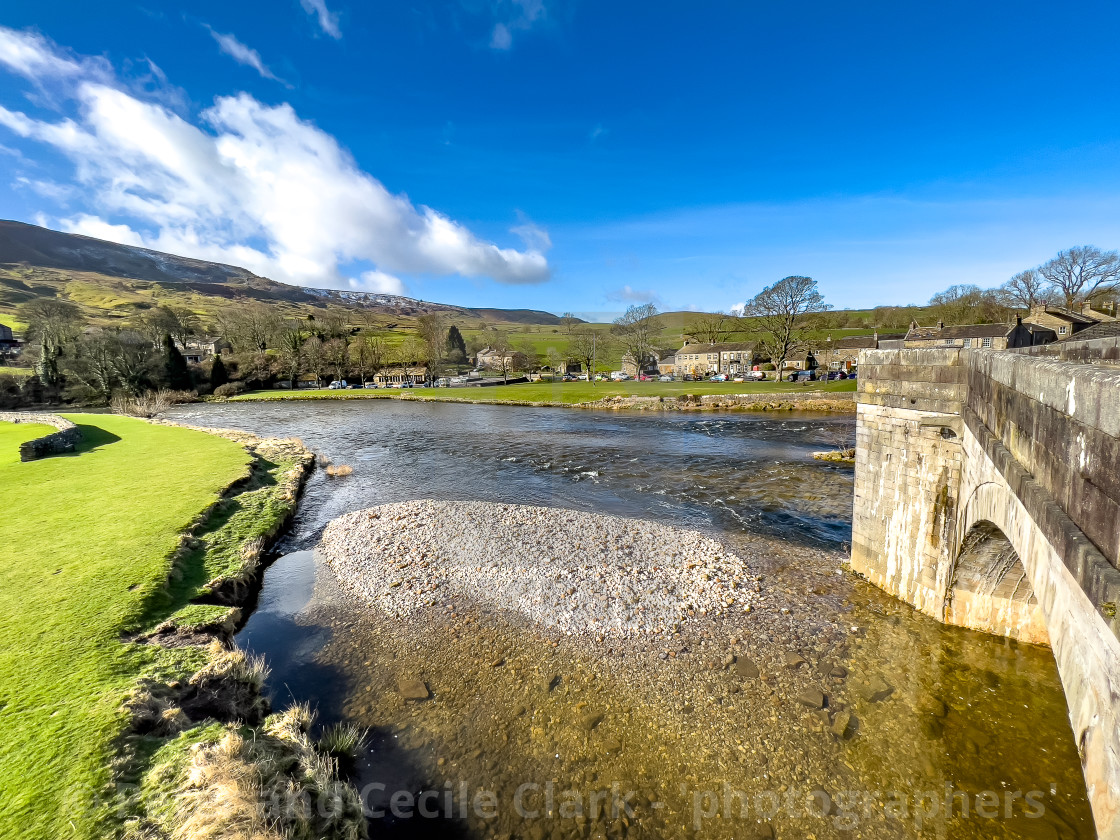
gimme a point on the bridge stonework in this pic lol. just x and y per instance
(987, 495)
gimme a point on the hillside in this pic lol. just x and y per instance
(112, 282)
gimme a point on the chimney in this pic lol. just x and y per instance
(876, 339)
(1018, 320)
(941, 325)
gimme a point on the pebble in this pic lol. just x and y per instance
(578, 574)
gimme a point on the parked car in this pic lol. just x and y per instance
(757, 375)
(371, 385)
(337, 385)
(665, 378)
(719, 377)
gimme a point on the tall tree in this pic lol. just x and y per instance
(710, 327)
(376, 352)
(337, 352)
(1079, 273)
(94, 362)
(175, 371)
(636, 331)
(316, 358)
(499, 344)
(432, 329)
(1026, 290)
(291, 340)
(455, 346)
(780, 313)
(52, 327)
(219, 376)
(568, 321)
(586, 347)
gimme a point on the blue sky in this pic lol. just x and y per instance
(560, 155)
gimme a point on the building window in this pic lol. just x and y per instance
(987, 342)
(949, 341)
(1062, 330)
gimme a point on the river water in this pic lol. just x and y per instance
(928, 731)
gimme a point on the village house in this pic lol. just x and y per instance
(197, 349)
(9, 346)
(980, 336)
(843, 353)
(667, 364)
(410, 375)
(651, 367)
(736, 358)
(1066, 322)
(490, 359)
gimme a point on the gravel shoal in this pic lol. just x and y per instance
(569, 572)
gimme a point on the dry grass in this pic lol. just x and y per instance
(339, 470)
(271, 786)
(150, 403)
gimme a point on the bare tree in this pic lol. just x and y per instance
(568, 321)
(414, 352)
(636, 331)
(710, 327)
(314, 353)
(1026, 290)
(780, 313)
(555, 359)
(432, 329)
(337, 357)
(291, 341)
(1080, 273)
(586, 347)
(250, 328)
(377, 352)
(500, 345)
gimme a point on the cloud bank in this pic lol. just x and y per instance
(246, 183)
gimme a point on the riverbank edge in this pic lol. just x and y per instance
(202, 723)
(817, 401)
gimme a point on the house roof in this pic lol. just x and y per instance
(727, 346)
(1064, 314)
(1103, 329)
(962, 331)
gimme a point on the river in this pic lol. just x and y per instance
(532, 737)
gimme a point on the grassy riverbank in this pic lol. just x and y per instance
(563, 393)
(111, 543)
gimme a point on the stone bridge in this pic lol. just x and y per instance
(987, 495)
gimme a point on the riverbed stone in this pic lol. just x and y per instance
(842, 725)
(746, 668)
(413, 689)
(794, 660)
(876, 689)
(813, 698)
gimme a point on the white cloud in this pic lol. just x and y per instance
(737, 309)
(501, 38)
(380, 282)
(99, 229)
(32, 56)
(328, 20)
(520, 16)
(630, 295)
(243, 54)
(254, 185)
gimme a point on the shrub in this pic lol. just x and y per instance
(767, 366)
(230, 389)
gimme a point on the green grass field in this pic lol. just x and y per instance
(5, 370)
(88, 538)
(566, 393)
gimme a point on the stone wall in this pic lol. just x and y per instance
(908, 466)
(64, 440)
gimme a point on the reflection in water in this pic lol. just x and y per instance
(912, 708)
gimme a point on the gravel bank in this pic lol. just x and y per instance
(576, 574)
